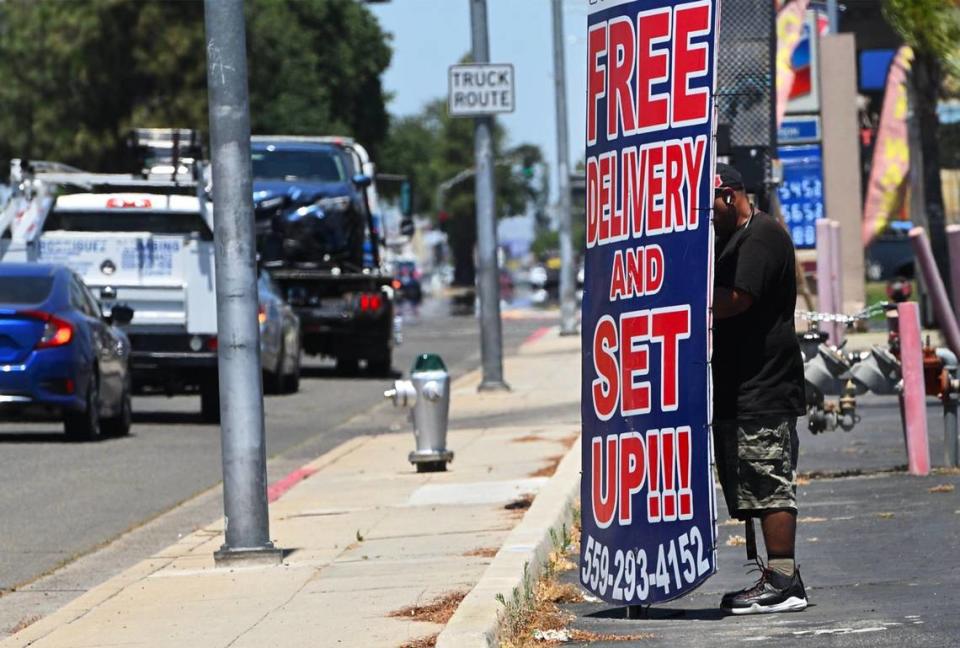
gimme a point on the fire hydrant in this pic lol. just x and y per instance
(427, 392)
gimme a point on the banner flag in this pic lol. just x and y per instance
(647, 494)
(891, 154)
(790, 21)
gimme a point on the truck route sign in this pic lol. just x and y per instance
(647, 495)
(480, 89)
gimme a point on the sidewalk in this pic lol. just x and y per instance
(369, 541)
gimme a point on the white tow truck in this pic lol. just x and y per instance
(145, 241)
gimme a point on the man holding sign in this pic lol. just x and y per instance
(758, 388)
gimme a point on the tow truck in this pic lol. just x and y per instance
(145, 240)
(316, 206)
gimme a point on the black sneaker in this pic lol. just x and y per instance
(774, 592)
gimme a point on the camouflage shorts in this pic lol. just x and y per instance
(757, 464)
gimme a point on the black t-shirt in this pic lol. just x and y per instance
(757, 366)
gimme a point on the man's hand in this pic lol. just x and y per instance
(729, 302)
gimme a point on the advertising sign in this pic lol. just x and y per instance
(480, 89)
(647, 495)
(801, 192)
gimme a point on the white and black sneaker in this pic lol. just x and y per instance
(774, 592)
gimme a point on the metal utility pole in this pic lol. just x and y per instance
(568, 296)
(491, 336)
(241, 398)
(833, 16)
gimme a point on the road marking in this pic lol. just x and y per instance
(277, 489)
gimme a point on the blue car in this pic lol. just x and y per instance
(59, 355)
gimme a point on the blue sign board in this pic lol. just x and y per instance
(647, 494)
(799, 130)
(801, 193)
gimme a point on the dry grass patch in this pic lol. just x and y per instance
(583, 635)
(736, 541)
(549, 468)
(520, 505)
(439, 610)
(810, 519)
(569, 440)
(422, 642)
(24, 623)
(482, 552)
(886, 515)
(530, 438)
(942, 488)
(951, 470)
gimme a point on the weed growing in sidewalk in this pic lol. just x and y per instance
(439, 610)
(423, 642)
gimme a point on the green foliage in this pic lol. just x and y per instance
(433, 147)
(78, 75)
(931, 27)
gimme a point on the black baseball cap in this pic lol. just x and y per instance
(727, 176)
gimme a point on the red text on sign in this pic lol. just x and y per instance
(629, 59)
(626, 464)
(621, 360)
(647, 191)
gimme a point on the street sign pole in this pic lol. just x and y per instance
(491, 344)
(568, 298)
(247, 527)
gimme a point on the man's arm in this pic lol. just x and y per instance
(730, 302)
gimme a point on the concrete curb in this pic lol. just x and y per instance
(476, 623)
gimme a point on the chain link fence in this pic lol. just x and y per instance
(746, 92)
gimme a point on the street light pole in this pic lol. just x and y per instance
(247, 532)
(568, 298)
(491, 339)
(833, 16)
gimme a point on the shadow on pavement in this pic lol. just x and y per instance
(167, 417)
(327, 373)
(661, 614)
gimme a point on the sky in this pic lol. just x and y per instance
(430, 35)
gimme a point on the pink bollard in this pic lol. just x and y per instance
(953, 246)
(938, 293)
(825, 300)
(913, 397)
(836, 277)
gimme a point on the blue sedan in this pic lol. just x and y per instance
(59, 355)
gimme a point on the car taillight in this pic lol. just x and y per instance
(262, 314)
(212, 343)
(128, 203)
(56, 332)
(370, 302)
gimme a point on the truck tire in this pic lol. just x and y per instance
(381, 364)
(210, 401)
(347, 366)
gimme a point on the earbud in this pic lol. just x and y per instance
(727, 199)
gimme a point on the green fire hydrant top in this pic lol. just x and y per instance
(428, 362)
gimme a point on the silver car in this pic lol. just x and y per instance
(279, 339)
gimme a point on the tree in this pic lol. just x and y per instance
(78, 75)
(433, 147)
(932, 29)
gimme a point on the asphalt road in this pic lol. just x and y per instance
(877, 549)
(63, 500)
